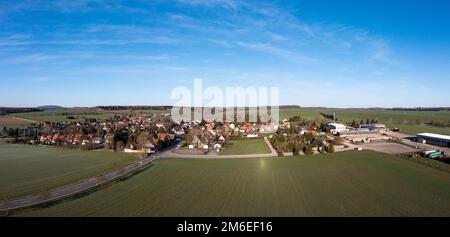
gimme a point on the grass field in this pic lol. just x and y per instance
(241, 147)
(410, 122)
(13, 122)
(341, 184)
(28, 169)
(62, 115)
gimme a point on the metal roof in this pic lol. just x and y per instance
(336, 124)
(433, 135)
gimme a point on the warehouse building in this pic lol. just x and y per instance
(375, 126)
(336, 128)
(357, 132)
(434, 139)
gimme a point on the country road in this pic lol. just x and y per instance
(71, 190)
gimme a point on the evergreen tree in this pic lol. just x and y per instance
(308, 149)
(330, 148)
(296, 149)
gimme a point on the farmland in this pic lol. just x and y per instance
(411, 122)
(19, 120)
(14, 122)
(64, 115)
(31, 169)
(341, 184)
(242, 147)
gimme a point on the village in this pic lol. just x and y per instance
(146, 134)
(131, 134)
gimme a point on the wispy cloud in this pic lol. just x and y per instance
(268, 48)
(26, 59)
(67, 6)
(226, 4)
(39, 79)
(380, 51)
(277, 37)
(141, 70)
(73, 55)
(126, 40)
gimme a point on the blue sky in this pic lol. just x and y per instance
(320, 53)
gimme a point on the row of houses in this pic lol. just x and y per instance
(129, 134)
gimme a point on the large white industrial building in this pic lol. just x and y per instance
(337, 127)
(374, 126)
(434, 139)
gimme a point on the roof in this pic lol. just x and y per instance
(336, 125)
(433, 135)
(373, 125)
(161, 136)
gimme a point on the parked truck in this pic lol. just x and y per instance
(435, 154)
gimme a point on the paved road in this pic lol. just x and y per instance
(79, 188)
(273, 153)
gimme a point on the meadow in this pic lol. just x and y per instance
(242, 147)
(14, 122)
(410, 122)
(341, 184)
(20, 120)
(63, 115)
(26, 169)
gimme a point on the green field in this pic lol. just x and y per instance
(14, 122)
(28, 169)
(341, 184)
(62, 115)
(19, 120)
(242, 147)
(410, 122)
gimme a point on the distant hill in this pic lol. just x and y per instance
(49, 107)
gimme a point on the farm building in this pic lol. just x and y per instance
(434, 139)
(337, 128)
(374, 126)
(357, 132)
